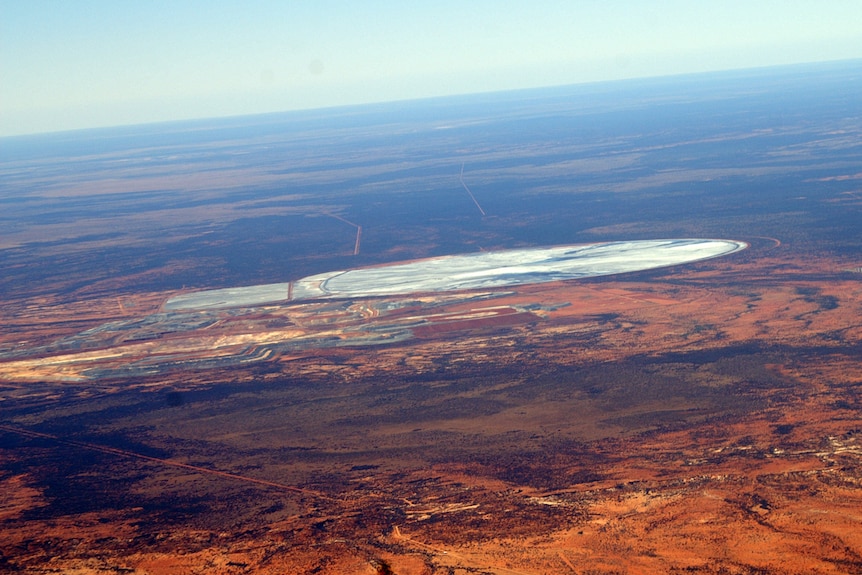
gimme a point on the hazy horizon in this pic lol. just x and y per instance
(798, 66)
(99, 64)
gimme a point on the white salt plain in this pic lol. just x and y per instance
(470, 271)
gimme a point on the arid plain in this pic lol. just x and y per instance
(702, 418)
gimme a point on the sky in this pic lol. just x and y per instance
(92, 63)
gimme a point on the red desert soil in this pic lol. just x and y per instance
(774, 486)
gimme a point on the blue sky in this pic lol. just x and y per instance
(87, 63)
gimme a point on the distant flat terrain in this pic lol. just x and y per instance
(324, 341)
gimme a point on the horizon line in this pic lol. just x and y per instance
(368, 104)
